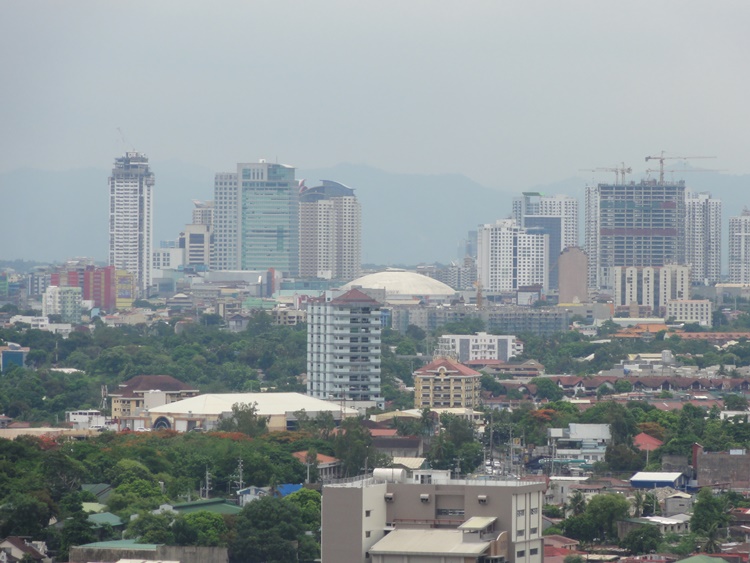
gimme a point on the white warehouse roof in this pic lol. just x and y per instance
(268, 404)
(656, 476)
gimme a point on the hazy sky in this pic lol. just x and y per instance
(510, 93)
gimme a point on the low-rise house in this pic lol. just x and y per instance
(678, 503)
(18, 548)
(328, 467)
(585, 442)
(677, 524)
(136, 396)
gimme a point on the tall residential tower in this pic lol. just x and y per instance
(509, 257)
(131, 217)
(739, 248)
(703, 237)
(330, 232)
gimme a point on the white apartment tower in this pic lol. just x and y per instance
(510, 257)
(739, 248)
(203, 212)
(131, 217)
(703, 237)
(556, 216)
(330, 226)
(343, 348)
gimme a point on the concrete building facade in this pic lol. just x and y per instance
(330, 227)
(359, 516)
(690, 311)
(445, 383)
(703, 237)
(573, 265)
(131, 217)
(633, 225)
(739, 248)
(555, 216)
(479, 346)
(343, 348)
(63, 301)
(650, 287)
(510, 257)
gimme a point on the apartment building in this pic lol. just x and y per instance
(479, 346)
(690, 311)
(510, 257)
(445, 383)
(426, 516)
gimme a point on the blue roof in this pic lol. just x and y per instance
(288, 489)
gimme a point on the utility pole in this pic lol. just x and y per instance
(240, 483)
(207, 484)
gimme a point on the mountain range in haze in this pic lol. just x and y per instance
(406, 218)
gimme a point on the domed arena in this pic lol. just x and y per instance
(402, 284)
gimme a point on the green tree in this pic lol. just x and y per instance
(309, 503)
(77, 530)
(200, 528)
(151, 528)
(623, 386)
(577, 503)
(643, 539)
(707, 511)
(735, 403)
(245, 419)
(267, 529)
(23, 515)
(547, 389)
(605, 510)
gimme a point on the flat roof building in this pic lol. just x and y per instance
(426, 516)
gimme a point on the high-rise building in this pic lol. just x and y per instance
(226, 222)
(256, 218)
(636, 224)
(650, 287)
(703, 237)
(556, 216)
(446, 383)
(739, 248)
(343, 348)
(131, 217)
(510, 257)
(63, 301)
(330, 232)
(196, 241)
(573, 265)
(203, 212)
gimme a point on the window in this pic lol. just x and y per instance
(521, 553)
(367, 534)
(519, 533)
(534, 511)
(367, 513)
(533, 531)
(533, 551)
(520, 512)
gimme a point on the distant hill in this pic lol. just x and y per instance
(407, 218)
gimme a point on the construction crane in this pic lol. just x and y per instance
(620, 171)
(661, 158)
(650, 170)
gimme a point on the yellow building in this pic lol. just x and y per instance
(445, 383)
(133, 399)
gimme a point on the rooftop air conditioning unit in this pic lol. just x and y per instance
(482, 499)
(424, 498)
(388, 497)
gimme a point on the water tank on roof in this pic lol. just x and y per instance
(389, 474)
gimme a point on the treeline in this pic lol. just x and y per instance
(213, 360)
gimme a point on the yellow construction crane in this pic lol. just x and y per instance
(661, 158)
(620, 171)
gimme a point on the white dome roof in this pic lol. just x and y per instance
(401, 282)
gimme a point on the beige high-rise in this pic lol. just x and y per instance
(330, 230)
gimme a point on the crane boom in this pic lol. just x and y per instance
(661, 158)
